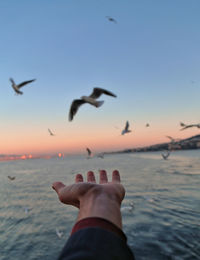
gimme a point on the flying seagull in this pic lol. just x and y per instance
(59, 233)
(126, 129)
(89, 153)
(111, 19)
(97, 92)
(147, 125)
(50, 132)
(165, 156)
(16, 87)
(189, 126)
(11, 178)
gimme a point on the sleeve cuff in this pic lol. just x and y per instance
(98, 222)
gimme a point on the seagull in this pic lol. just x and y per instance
(147, 125)
(59, 233)
(111, 19)
(89, 153)
(129, 208)
(172, 139)
(11, 178)
(126, 129)
(165, 156)
(188, 126)
(51, 132)
(100, 155)
(16, 87)
(97, 92)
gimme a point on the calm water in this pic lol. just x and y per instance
(165, 223)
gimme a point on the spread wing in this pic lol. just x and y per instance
(50, 132)
(97, 92)
(74, 108)
(169, 137)
(25, 83)
(187, 126)
(127, 126)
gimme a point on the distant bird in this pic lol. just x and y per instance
(89, 153)
(111, 19)
(172, 139)
(16, 87)
(11, 178)
(97, 92)
(126, 129)
(27, 210)
(165, 156)
(50, 132)
(147, 125)
(100, 155)
(189, 126)
(59, 233)
(129, 208)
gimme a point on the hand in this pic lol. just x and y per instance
(94, 200)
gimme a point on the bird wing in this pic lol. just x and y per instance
(187, 126)
(97, 92)
(89, 151)
(169, 137)
(12, 81)
(25, 82)
(127, 126)
(50, 132)
(74, 107)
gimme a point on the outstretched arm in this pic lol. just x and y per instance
(101, 200)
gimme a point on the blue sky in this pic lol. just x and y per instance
(150, 59)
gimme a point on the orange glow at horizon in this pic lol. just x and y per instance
(97, 138)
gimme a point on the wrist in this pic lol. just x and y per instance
(102, 205)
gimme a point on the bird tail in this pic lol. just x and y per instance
(99, 103)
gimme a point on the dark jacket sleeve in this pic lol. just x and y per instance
(96, 243)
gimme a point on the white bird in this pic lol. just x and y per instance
(111, 19)
(16, 87)
(11, 178)
(129, 208)
(89, 153)
(59, 233)
(126, 130)
(172, 139)
(100, 155)
(97, 92)
(50, 132)
(165, 156)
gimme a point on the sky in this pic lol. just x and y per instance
(150, 59)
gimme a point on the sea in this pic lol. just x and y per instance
(164, 223)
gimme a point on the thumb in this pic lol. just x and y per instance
(58, 186)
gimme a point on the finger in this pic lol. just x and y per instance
(57, 186)
(79, 178)
(91, 177)
(103, 177)
(116, 176)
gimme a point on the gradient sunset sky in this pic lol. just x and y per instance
(150, 59)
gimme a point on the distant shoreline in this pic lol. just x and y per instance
(190, 143)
